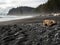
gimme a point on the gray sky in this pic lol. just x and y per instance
(17, 3)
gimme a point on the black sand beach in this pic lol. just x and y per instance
(29, 32)
(37, 19)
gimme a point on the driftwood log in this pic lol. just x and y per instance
(49, 22)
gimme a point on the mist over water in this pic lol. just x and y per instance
(14, 17)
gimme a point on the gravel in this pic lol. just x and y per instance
(29, 34)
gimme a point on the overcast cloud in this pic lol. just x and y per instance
(17, 3)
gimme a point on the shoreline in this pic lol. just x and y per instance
(37, 19)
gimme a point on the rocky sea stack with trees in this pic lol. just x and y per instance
(51, 6)
(21, 10)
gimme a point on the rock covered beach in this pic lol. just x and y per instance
(29, 34)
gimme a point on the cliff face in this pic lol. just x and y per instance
(21, 10)
(50, 6)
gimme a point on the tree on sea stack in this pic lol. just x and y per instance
(50, 6)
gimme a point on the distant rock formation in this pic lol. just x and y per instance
(51, 6)
(21, 10)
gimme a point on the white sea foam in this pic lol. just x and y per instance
(11, 17)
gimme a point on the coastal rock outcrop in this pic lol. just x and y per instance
(21, 10)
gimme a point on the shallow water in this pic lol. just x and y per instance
(13, 17)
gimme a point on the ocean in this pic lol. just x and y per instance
(14, 17)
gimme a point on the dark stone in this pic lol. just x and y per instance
(26, 34)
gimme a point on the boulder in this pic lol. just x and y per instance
(49, 22)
